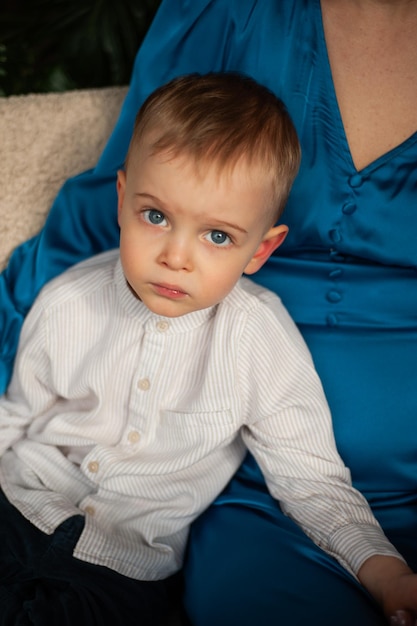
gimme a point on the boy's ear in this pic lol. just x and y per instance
(121, 187)
(271, 241)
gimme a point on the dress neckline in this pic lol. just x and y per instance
(338, 120)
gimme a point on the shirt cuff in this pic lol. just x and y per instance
(352, 545)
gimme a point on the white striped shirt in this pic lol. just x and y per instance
(138, 422)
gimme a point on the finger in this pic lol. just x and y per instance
(401, 618)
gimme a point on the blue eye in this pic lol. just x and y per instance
(218, 237)
(155, 217)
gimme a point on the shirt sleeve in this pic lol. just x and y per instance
(186, 36)
(289, 432)
(30, 391)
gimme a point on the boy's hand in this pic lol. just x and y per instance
(394, 585)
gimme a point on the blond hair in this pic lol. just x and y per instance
(220, 119)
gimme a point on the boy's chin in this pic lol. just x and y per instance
(167, 308)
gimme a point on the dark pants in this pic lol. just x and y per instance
(42, 584)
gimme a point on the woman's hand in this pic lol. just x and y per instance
(394, 585)
(402, 618)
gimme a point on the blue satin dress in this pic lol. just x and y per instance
(347, 274)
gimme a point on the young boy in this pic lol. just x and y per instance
(143, 374)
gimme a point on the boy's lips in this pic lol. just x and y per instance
(169, 291)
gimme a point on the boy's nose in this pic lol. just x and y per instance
(176, 255)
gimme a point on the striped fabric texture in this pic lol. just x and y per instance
(139, 422)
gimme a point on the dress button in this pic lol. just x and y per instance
(93, 467)
(332, 320)
(133, 436)
(162, 326)
(335, 235)
(334, 296)
(144, 384)
(336, 256)
(335, 274)
(356, 180)
(349, 208)
(89, 510)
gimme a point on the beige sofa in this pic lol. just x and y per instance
(44, 139)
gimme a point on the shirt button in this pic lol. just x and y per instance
(356, 180)
(334, 296)
(89, 510)
(162, 326)
(133, 436)
(144, 384)
(93, 467)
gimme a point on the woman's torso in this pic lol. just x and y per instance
(348, 269)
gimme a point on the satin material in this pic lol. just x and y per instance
(346, 272)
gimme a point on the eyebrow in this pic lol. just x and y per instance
(147, 195)
(233, 226)
(219, 223)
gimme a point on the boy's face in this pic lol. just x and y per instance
(186, 238)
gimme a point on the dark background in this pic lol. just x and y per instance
(56, 45)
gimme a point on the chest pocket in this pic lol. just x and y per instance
(202, 430)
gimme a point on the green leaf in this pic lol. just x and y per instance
(58, 45)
